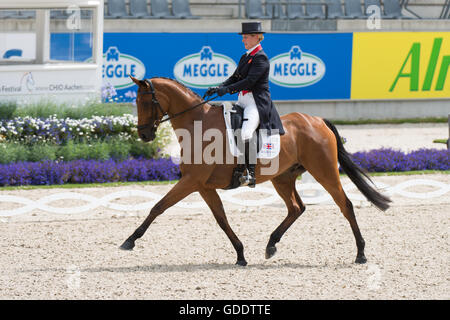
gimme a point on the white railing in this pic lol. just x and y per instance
(311, 193)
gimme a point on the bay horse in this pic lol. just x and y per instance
(309, 144)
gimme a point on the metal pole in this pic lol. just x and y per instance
(444, 10)
(406, 3)
(239, 9)
(446, 16)
(42, 36)
(448, 140)
(288, 25)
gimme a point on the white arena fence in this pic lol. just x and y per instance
(310, 192)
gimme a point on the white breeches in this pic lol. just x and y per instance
(251, 113)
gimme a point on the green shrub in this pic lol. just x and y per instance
(45, 109)
(141, 149)
(68, 152)
(13, 152)
(115, 149)
(118, 147)
(119, 150)
(39, 152)
(96, 151)
(96, 109)
(38, 110)
(7, 110)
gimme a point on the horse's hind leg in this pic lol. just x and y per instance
(182, 189)
(285, 186)
(215, 204)
(346, 206)
(327, 174)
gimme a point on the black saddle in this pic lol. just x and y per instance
(237, 117)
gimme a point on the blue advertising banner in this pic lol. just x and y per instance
(303, 66)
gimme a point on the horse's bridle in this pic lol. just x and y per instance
(156, 105)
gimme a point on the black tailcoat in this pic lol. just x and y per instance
(252, 74)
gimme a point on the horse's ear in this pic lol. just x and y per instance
(137, 81)
(140, 83)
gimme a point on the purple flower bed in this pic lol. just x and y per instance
(87, 171)
(92, 171)
(389, 160)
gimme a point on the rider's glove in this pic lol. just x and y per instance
(222, 90)
(211, 91)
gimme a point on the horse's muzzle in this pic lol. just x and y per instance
(147, 135)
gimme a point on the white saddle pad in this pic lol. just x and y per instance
(270, 144)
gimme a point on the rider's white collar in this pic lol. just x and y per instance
(251, 49)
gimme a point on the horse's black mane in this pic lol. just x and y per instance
(178, 82)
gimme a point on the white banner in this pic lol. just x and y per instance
(18, 46)
(43, 82)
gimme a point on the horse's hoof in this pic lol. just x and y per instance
(270, 252)
(361, 260)
(127, 245)
(242, 263)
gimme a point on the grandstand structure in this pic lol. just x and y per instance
(278, 17)
(225, 15)
(274, 9)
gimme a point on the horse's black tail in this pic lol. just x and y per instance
(357, 174)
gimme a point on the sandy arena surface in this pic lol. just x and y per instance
(185, 255)
(406, 137)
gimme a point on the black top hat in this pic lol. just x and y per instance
(251, 28)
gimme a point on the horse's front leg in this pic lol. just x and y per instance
(215, 204)
(182, 189)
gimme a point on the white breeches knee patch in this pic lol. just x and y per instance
(250, 113)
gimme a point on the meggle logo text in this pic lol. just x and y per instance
(296, 69)
(204, 69)
(117, 66)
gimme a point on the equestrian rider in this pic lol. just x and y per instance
(251, 80)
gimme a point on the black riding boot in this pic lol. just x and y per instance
(250, 164)
(251, 175)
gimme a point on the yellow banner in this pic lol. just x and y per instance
(401, 65)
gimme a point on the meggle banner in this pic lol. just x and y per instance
(303, 66)
(309, 66)
(401, 65)
(331, 66)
